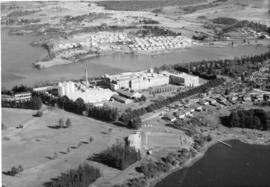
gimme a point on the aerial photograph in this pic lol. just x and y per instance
(135, 93)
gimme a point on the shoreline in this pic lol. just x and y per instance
(190, 162)
(57, 61)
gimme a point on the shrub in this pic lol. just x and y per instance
(68, 123)
(81, 177)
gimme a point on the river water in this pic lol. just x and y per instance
(18, 56)
(241, 165)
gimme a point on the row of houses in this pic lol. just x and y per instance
(18, 97)
(181, 111)
(160, 43)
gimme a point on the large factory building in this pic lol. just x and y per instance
(183, 79)
(136, 80)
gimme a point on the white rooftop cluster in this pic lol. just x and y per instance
(94, 40)
(108, 37)
(160, 43)
(77, 90)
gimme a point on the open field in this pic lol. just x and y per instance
(14, 117)
(35, 145)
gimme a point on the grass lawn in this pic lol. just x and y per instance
(35, 146)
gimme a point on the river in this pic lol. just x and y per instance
(221, 166)
(18, 56)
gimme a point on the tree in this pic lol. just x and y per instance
(143, 98)
(68, 123)
(39, 114)
(61, 123)
(14, 171)
(20, 168)
(91, 139)
(37, 102)
(3, 126)
(135, 123)
(227, 91)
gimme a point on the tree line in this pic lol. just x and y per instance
(81, 177)
(229, 67)
(118, 156)
(252, 119)
(17, 89)
(103, 113)
(208, 69)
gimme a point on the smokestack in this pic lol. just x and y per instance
(86, 78)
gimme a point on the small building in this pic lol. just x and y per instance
(128, 94)
(135, 140)
(185, 141)
(121, 99)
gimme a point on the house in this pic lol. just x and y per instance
(180, 114)
(170, 117)
(247, 98)
(187, 113)
(212, 102)
(196, 107)
(203, 102)
(221, 101)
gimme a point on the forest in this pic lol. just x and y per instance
(252, 119)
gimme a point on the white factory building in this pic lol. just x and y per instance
(136, 80)
(89, 94)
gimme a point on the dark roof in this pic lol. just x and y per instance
(126, 93)
(119, 97)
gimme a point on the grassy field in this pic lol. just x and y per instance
(45, 152)
(14, 117)
(161, 140)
